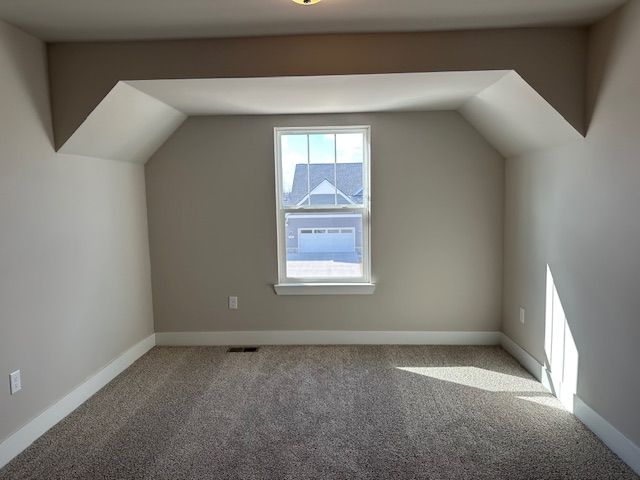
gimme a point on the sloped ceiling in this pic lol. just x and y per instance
(320, 94)
(137, 117)
(127, 125)
(515, 119)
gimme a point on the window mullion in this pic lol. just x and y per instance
(308, 170)
(335, 167)
(354, 209)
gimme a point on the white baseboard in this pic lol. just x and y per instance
(30, 432)
(528, 361)
(628, 451)
(326, 337)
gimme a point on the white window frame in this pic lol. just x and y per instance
(320, 285)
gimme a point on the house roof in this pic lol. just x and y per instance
(347, 176)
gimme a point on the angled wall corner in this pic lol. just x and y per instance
(137, 117)
(128, 125)
(516, 119)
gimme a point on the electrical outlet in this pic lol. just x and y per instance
(522, 315)
(16, 382)
(233, 303)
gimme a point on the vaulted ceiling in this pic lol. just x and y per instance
(510, 114)
(58, 20)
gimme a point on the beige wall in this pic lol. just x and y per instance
(551, 60)
(577, 210)
(74, 263)
(437, 220)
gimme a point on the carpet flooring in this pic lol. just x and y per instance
(316, 412)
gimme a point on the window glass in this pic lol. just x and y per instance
(349, 171)
(331, 252)
(322, 169)
(294, 169)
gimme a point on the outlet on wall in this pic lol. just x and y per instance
(233, 303)
(522, 315)
(15, 382)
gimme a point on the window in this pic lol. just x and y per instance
(323, 214)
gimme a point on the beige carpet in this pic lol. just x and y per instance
(393, 412)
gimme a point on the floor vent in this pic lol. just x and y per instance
(242, 349)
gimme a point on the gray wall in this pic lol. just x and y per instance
(437, 217)
(577, 210)
(74, 262)
(552, 60)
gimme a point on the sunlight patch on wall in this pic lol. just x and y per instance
(559, 346)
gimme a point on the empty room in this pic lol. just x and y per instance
(320, 239)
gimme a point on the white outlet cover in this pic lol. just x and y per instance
(233, 303)
(16, 382)
(522, 315)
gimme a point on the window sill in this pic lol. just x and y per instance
(324, 288)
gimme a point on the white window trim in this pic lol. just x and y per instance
(324, 286)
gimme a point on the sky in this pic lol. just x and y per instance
(347, 147)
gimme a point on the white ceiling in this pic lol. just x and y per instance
(320, 94)
(57, 20)
(136, 117)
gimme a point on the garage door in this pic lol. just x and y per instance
(326, 240)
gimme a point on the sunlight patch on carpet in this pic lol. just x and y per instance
(478, 378)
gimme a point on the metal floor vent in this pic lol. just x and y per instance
(242, 349)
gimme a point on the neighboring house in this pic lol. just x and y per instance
(325, 183)
(336, 236)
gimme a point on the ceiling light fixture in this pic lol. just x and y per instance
(307, 2)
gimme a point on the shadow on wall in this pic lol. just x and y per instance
(561, 353)
(601, 59)
(28, 73)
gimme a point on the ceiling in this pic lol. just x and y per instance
(510, 114)
(319, 94)
(74, 20)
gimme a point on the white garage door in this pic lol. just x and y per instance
(326, 240)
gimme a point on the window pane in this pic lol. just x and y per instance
(295, 186)
(322, 147)
(349, 168)
(324, 245)
(322, 169)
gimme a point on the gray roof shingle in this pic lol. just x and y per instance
(349, 179)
